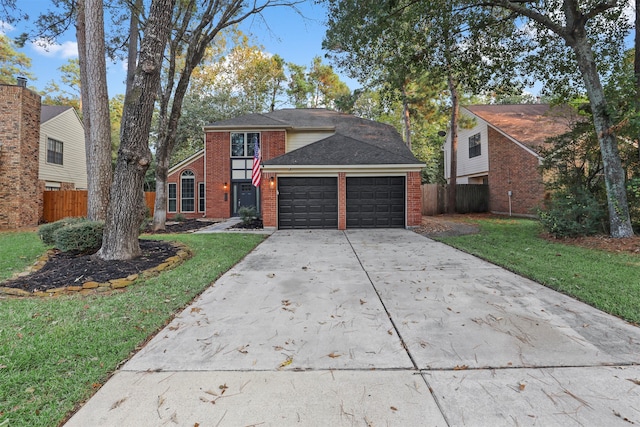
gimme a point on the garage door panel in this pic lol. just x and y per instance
(307, 202)
(375, 202)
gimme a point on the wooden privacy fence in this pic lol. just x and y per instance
(470, 198)
(62, 204)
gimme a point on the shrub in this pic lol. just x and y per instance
(47, 231)
(573, 214)
(247, 214)
(180, 218)
(82, 237)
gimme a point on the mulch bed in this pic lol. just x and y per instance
(69, 269)
(254, 224)
(182, 226)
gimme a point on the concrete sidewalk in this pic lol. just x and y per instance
(376, 327)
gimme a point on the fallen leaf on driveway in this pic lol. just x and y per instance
(196, 309)
(286, 362)
(460, 367)
(333, 355)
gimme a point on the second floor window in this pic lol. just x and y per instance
(243, 143)
(54, 151)
(474, 146)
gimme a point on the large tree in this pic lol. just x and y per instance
(594, 32)
(95, 108)
(393, 43)
(126, 212)
(13, 63)
(195, 25)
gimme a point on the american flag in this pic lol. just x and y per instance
(255, 171)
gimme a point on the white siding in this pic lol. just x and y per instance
(468, 166)
(68, 129)
(297, 140)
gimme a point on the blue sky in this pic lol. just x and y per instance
(286, 33)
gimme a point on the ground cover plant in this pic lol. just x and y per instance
(55, 352)
(605, 279)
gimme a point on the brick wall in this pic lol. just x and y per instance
(414, 199)
(512, 168)
(20, 198)
(269, 206)
(273, 144)
(342, 201)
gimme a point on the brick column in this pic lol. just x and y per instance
(414, 199)
(342, 201)
(269, 200)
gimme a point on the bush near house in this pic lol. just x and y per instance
(73, 234)
(47, 231)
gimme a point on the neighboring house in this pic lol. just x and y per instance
(41, 147)
(63, 162)
(320, 169)
(501, 149)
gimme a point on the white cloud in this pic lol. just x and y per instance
(51, 49)
(5, 27)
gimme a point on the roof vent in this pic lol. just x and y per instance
(22, 81)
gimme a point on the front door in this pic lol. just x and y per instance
(244, 194)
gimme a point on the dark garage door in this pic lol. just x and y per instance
(375, 202)
(307, 203)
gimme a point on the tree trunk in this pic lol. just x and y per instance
(86, 114)
(162, 172)
(453, 125)
(636, 62)
(406, 117)
(97, 101)
(132, 52)
(619, 220)
(126, 212)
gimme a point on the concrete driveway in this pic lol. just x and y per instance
(371, 328)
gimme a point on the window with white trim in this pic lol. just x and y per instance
(475, 149)
(187, 191)
(54, 151)
(172, 199)
(243, 143)
(201, 198)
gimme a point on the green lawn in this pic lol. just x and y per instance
(55, 352)
(17, 250)
(606, 280)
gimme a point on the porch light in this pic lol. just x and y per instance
(271, 181)
(225, 185)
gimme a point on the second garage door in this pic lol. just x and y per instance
(307, 203)
(376, 202)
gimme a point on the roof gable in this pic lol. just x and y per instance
(527, 124)
(343, 150)
(48, 112)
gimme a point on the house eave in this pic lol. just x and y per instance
(391, 168)
(186, 161)
(292, 128)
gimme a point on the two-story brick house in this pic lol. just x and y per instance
(502, 149)
(319, 169)
(41, 148)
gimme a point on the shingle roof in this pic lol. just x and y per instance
(356, 141)
(529, 124)
(47, 112)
